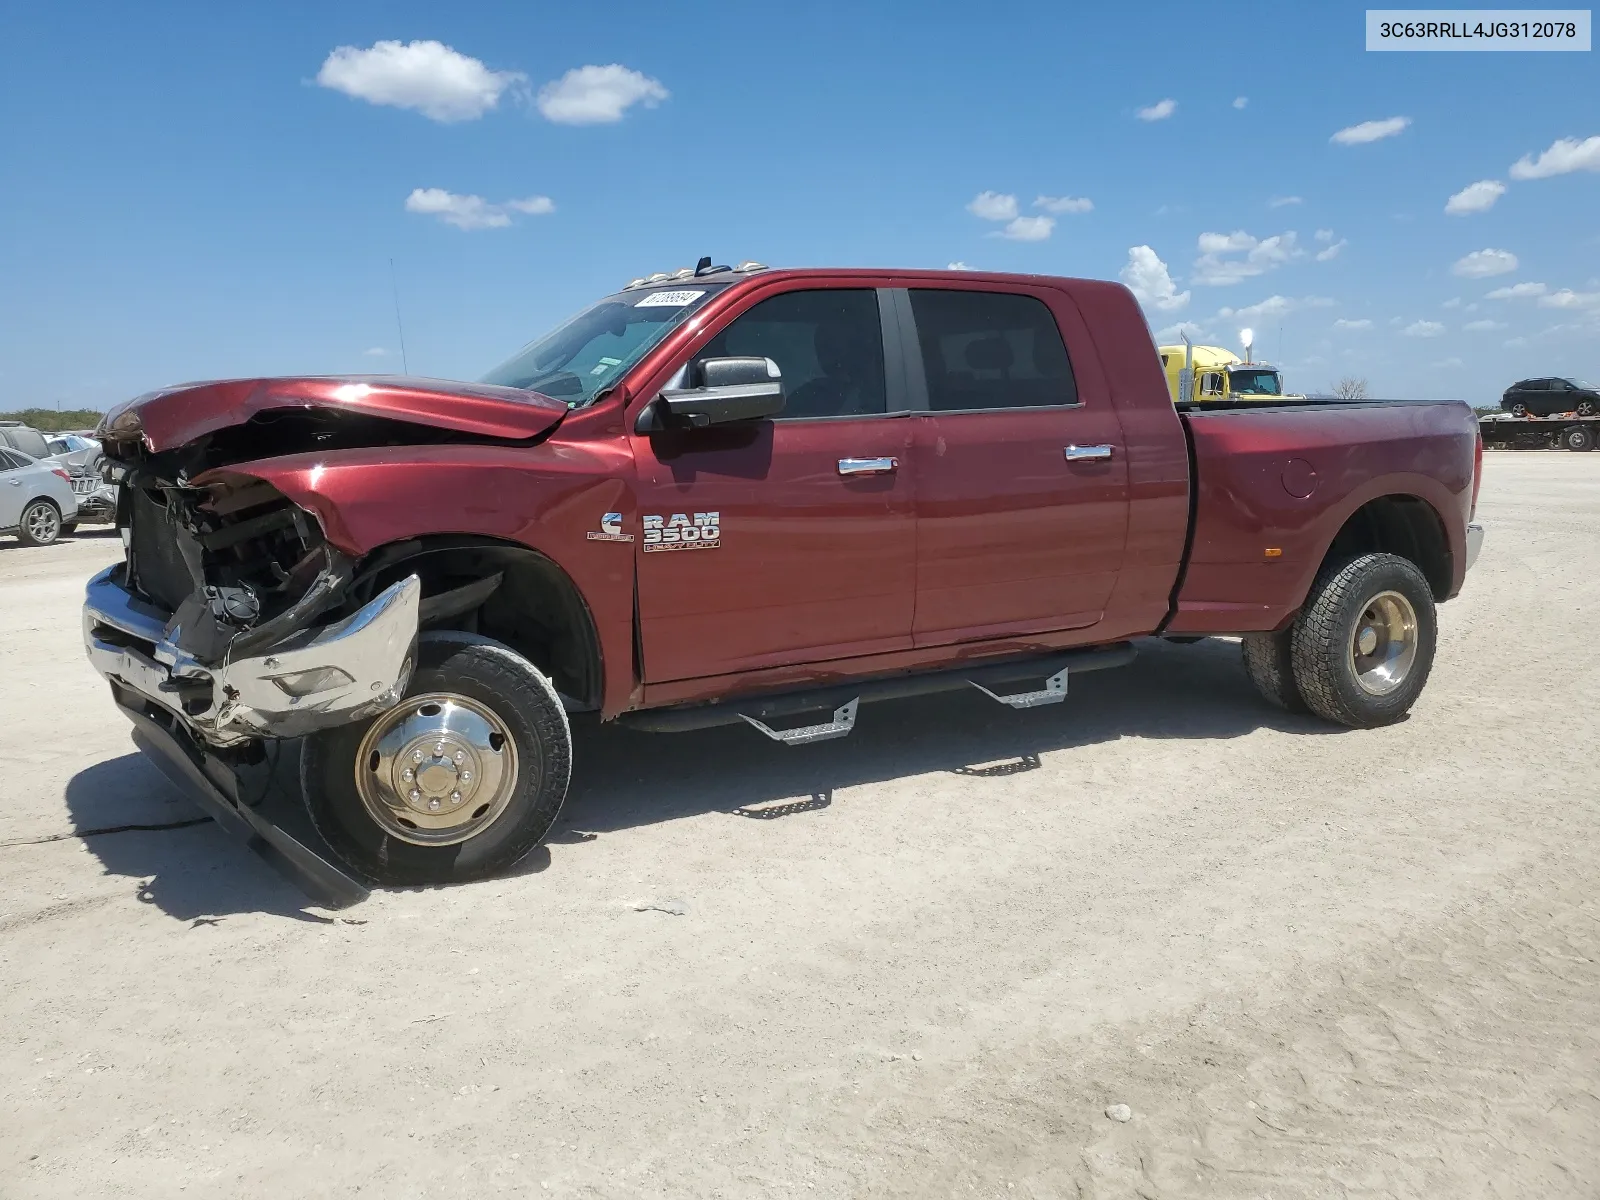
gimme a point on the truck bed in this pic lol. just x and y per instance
(1274, 483)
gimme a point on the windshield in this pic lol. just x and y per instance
(586, 355)
(1582, 383)
(1249, 381)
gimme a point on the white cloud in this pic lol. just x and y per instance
(598, 95)
(375, 352)
(1453, 302)
(1226, 243)
(1481, 264)
(1260, 256)
(1148, 279)
(1064, 204)
(1567, 298)
(1332, 251)
(1563, 157)
(1284, 201)
(473, 212)
(994, 206)
(1516, 342)
(1423, 329)
(1482, 326)
(1361, 323)
(1273, 306)
(1475, 198)
(1370, 131)
(1240, 101)
(1448, 363)
(1517, 291)
(1174, 333)
(430, 77)
(1324, 235)
(1159, 111)
(1027, 229)
(958, 265)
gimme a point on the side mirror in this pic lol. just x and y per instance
(729, 390)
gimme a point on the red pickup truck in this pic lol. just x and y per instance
(736, 495)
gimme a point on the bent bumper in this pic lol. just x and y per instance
(313, 680)
(1474, 542)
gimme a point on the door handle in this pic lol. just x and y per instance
(1087, 453)
(868, 466)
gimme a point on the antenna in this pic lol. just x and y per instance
(394, 287)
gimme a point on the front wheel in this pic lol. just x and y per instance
(1587, 408)
(1576, 437)
(40, 524)
(1363, 644)
(458, 781)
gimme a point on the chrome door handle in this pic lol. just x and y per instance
(868, 466)
(1087, 453)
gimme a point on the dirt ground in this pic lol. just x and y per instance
(920, 962)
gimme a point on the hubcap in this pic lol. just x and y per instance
(1383, 646)
(43, 524)
(437, 769)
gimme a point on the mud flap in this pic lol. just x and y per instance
(324, 883)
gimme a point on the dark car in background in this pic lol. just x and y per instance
(25, 438)
(1549, 396)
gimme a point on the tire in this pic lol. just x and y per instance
(40, 524)
(1340, 680)
(1587, 408)
(1269, 661)
(532, 761)
(1576, 437)
(1519, 410)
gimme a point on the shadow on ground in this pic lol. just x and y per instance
(625, 778)
(192, 872)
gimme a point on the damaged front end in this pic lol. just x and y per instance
(233, 612)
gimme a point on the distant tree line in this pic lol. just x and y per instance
(55, 421)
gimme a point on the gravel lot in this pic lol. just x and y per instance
(920, 962)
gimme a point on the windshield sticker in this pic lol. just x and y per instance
(668, 299)
(678, 532)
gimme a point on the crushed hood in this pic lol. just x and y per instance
(174, 416)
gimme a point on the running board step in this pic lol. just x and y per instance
(844, 720)
(1053, 692)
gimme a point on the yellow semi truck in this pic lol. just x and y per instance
(1215, 374)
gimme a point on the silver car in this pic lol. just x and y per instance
(82, 459)
(36, 499)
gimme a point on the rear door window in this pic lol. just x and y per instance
(989, 350)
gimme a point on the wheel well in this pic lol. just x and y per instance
(499, 590)
(1402, 525)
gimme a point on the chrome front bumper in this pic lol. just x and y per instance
(313, 680)
(1474, 542)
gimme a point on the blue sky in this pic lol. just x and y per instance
(184, 200)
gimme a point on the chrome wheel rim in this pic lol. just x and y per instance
(1383, 644)
(437, 769)
(42, 523)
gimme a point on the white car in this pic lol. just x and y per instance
(36, 498)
